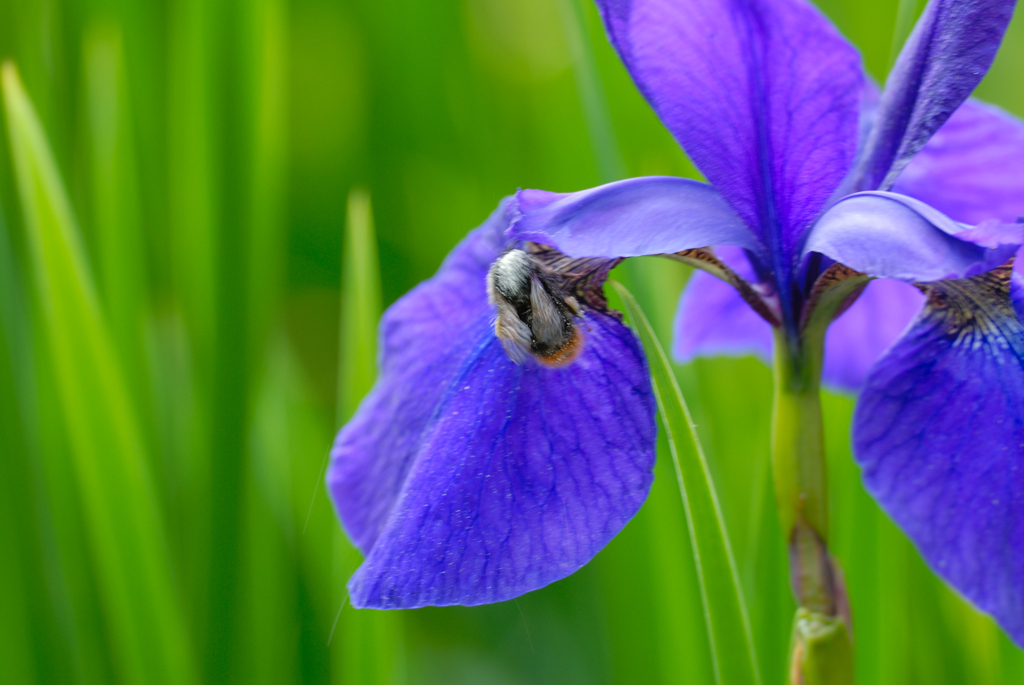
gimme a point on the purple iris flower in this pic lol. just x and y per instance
(511, 432)
(466, 477)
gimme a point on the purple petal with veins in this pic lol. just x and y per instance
(762, 94)
(939, 435)
(972, 169)
(465, 478)
(525, 474)
(945, 57)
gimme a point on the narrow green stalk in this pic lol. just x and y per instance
(361, 306)
(798, 465)
(798, 450)
(822, 650)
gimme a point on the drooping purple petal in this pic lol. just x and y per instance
(762, 94)
(373, 453)
(465, 478)
(638, 216)
(894, 236)
(714, 320)
(523, 476)
(939, 434)
(947, 54)
(1017, 289)
(972, 169)
(856, 340)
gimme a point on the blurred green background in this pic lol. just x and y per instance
(187, 302)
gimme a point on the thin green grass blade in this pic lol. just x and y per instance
(270, 644)
(116, 221)
(368, 648)
(126, 533)
(610, 166)
(16, 630)
(732, 645)
(266, 57)
(906, 13)
(270, 653)
(192, 181)
(65, 612)
(116, 218)
(360, 306)
(187, 336)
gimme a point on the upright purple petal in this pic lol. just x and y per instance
(762, 94)
(638, 216)
(972, 169)
(894, 236)
(526, 473)
(939, 434)
(947, 54)
(856, 340)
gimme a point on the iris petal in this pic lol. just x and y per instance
(972, 169)
(894, 236)
(762, 94)
(373, 453)
(856, 340)
(946, 56)
(713, 319)
(466, 478)
(525, 475)
(638, 216)
(939, 434)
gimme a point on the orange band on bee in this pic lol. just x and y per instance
(564, 355)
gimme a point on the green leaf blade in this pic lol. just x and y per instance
(121, 510)
(368, 643)
(732, 645)
(360, 306)
(114, 195)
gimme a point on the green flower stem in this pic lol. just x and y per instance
(822, 650)
(798, 451)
